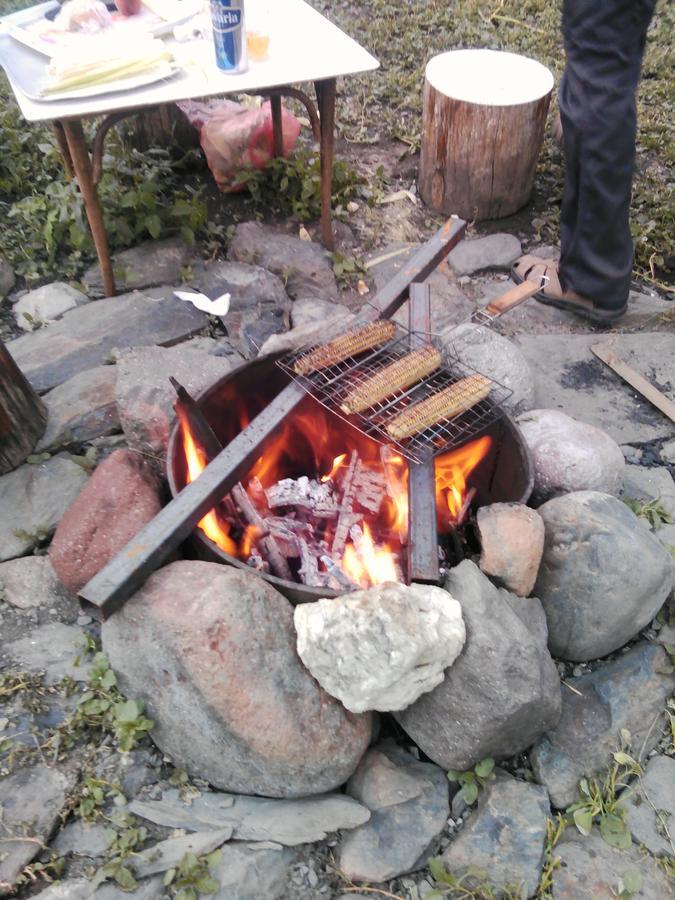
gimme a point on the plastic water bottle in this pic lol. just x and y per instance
(229, 35)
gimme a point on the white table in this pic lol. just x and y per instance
(304, 47)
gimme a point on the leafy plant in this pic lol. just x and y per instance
(346, 268)
(598, 802)
(471, 885)
(474, 779)
(555, 829)
(651, 510)
(123, 845)
(193, 877)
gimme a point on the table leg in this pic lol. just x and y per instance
(82, 167)
(277, 125)
(325, 96)
(63, 147)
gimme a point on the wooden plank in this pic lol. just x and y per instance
(635, 379)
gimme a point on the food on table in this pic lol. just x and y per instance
(102, 62)
(349, 344)
(397, 376)
(446, 404)
(89, 16)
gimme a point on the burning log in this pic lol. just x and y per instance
(309, 566)
(303, 492)
(346, 516)
(370, 488)
(266, 542)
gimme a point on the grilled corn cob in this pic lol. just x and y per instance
(397, 376)
(446, 404)
(355, 341)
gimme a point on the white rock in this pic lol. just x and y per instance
(47, 302)
(569, 455)
(380, 648)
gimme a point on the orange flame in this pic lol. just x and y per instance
(452, 471)
(337, 464)
(211, 525)
(369, 564)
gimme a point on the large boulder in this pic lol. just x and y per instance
(383, 647)
(147, 264)
(45, 303)
(504, 837)
(81, 409)
(502, 692)
(304, 265)
(119, 499)
(409, 807)
(603, 576)
(569, 455)
(211, 650)
(628, 693)
(487, 352)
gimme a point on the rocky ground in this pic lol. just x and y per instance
(93, 785)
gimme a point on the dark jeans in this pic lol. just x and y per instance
(604, 41)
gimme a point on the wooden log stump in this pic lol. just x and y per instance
(483, 126)
(23, 416)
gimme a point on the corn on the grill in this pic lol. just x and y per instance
(446, 404)
(355, 341)
(397, 376)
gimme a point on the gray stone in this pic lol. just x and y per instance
(30, 582)
(310, 333)
(650, 806)
(512, 543)
(569, 455)
(86, 337)
(629, 692)
(650, 484)
(31, 800)
(590, 868)
(602, 578)
(449, 305)
(668, 452)
(487, 352)
(495, 251)
(145, 396)
(303, 265)
(54, 649)
(504, 837)
(81, 409)
(246, 873)
(502, 692)
(81, 839)
(666, 535)
(204, 645)
(409, 807)
(169, 853)
(259, 304)
(7, 279)
(80, 889)
(286, 822)
(569, 377)
(313, 309)
(148, 264)
(46, 303)
(383, 647)
(33, 498)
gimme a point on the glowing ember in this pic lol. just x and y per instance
(378, 506)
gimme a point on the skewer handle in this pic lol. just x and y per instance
(512, 298)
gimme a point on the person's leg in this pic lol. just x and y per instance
(604, 42)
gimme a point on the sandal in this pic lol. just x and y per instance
(532, 268)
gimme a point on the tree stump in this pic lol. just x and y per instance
(23, 416)
(484, 117)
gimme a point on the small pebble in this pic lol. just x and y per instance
(312, 878)
(352, 207)
(84, 620)
(53, 611)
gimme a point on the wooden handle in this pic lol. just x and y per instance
(635, 379)
(512, 298)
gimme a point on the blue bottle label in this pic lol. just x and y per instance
(229, 37)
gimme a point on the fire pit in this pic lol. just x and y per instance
(304, 476)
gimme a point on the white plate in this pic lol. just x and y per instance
(161, 73)
(20, 29)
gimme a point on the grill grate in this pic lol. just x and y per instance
(331, 385)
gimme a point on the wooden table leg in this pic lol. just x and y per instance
(83, 172)
(325, 96)
(277, 125)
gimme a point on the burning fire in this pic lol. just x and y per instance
(306, 446)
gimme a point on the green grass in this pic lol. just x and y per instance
(45, 234)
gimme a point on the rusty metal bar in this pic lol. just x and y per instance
(297, 94)
(422, 264)
(79, 155)
(325, 95)
(126, 573)
(277, 125)
(423, 567)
